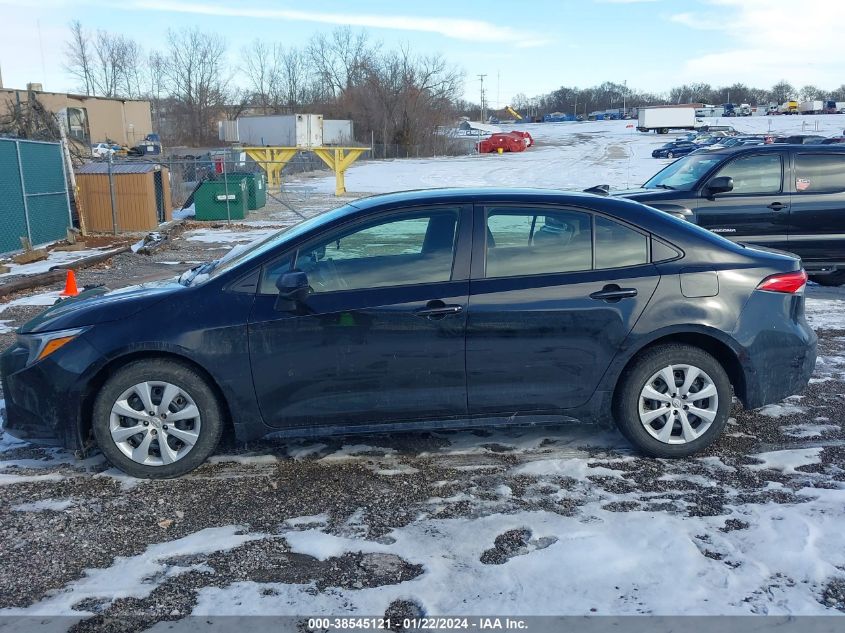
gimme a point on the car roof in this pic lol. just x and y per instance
(468, 195)
(775, 147)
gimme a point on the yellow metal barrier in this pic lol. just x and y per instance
(273, 160)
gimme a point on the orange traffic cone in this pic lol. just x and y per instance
(70, 285)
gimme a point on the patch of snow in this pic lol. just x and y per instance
(825, 314)
(6, 329)
(615, 563)
(44, 505)
(787, 460)
(187, 212)
(9, 480)
(780, 410)
(808, 430)
(224, 236)
(41, 299)
(243, 459)
(136, 576)
(54, 258)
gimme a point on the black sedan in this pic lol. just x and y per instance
(675, 149)
(422, 310)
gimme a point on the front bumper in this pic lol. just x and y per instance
(44, 400)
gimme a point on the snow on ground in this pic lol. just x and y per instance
(572, 155)
(218, 236)
(136, 575)
(54, 258)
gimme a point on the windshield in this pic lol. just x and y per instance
(683, 173)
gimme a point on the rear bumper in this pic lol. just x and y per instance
(43, 401)
(781, 357)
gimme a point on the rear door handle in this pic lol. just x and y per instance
(438, 310)
(777, 206)
(612, 293)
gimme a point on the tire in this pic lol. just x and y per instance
(190, 439)
(831, 279)
(628, 403)
(670, 155)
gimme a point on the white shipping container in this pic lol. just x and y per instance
(337, 132)
(279, 130)
(665, 119)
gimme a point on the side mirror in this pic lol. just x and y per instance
(293, 290)
(719, 184)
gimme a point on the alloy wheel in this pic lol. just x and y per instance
(155, 423)
(678, 404)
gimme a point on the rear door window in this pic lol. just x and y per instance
(819, 173)
(537, 241)
(754, 175)
(618, 245)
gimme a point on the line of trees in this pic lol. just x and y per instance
(394, 96)
(609, 95)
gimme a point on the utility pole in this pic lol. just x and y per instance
(624, 90)
(481, 78)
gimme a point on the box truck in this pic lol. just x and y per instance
(811, 107)
(661, 119)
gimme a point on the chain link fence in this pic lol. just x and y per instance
(188, 169)
(33, 189)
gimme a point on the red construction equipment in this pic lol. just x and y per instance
(70, 285)
(515, 141)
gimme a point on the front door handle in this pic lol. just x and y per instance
(777, 206)
(612, 293)
(438, 310)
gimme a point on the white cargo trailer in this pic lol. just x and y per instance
(661, 119)
(337, 132)
(279, 130)
(811, 107)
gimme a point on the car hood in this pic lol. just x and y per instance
(99, 305)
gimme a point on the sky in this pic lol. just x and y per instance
(523, 47)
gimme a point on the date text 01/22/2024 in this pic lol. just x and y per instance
(418, 624)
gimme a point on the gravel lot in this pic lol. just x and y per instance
(321, 518)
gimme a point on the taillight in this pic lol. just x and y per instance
(789, 283)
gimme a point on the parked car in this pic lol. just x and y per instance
(789, 197)
(800, 139)
(102, 150)
(422, 310)
(672, 150)
(832, 140)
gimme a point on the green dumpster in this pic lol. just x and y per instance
(210, 200)
(257, 187)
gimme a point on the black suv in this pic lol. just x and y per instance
(790, 197)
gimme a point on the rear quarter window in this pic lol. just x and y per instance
(819, 173)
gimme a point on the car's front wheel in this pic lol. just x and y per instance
(156, 419)
(673, 401)
(670, 155)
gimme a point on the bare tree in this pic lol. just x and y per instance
(341, 59)
(79, 57)
(195, 72)
(260, 63)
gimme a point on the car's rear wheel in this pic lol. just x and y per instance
(673, 401)
(831, 279)
(670, 155)
(156, 419)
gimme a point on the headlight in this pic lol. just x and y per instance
(40, 346)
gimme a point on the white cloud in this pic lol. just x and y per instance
(771, 40)
(460, 29)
